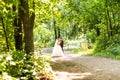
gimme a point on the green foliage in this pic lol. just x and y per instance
(103, 43)
(108, 48)
(42, 36)
(113, 50)
(100, 44)
(76, 51)
(18, 55)
(91, 36)
(8, 15)
(20, 65)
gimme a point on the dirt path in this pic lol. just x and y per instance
(76, 67)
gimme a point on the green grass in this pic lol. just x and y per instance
(76, 51)
(90, 52)
(82, 51)
(107, 55)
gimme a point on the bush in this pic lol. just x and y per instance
(91, 36)
(113, 50)
(103, 43)
(108, 47)
(19, 65)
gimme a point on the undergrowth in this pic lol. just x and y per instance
(17, 65)
(111, 52)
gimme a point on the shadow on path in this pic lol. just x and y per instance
(65, 68)
(76, 67)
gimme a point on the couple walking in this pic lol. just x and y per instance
(58, 48)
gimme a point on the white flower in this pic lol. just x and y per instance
(26, 71)
(34, 73)
(12, 63)
(1, 57)
(31, 70)
(9, 57)
(37, 77)
(6, 76)
(23, 78)
(35, 63)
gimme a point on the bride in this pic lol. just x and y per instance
(57, 50)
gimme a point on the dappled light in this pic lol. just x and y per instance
(71, 76)
(78, 67)
(66, 69)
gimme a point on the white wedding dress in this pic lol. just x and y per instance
(57, 50)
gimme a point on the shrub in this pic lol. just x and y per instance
(113, 50)
(19, 65)
(103, 43)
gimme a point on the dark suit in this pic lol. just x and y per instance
(61, 44)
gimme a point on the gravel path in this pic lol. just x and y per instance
(76, 67)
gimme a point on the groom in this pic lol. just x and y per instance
(61, 44)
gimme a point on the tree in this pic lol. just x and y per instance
(4, 30)
(17, 23)
(28, 24)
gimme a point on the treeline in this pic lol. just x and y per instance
(98, 20)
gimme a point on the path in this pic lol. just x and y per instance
(76, 67)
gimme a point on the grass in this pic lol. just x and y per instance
(90, 52)
(83, 51)
(107, 55)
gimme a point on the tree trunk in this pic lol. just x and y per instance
(98, 31)
(110, 23)
(109, 20)
(6, 38)
(55, 31)
(59, 32)
(18, 30)
(28, 23)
